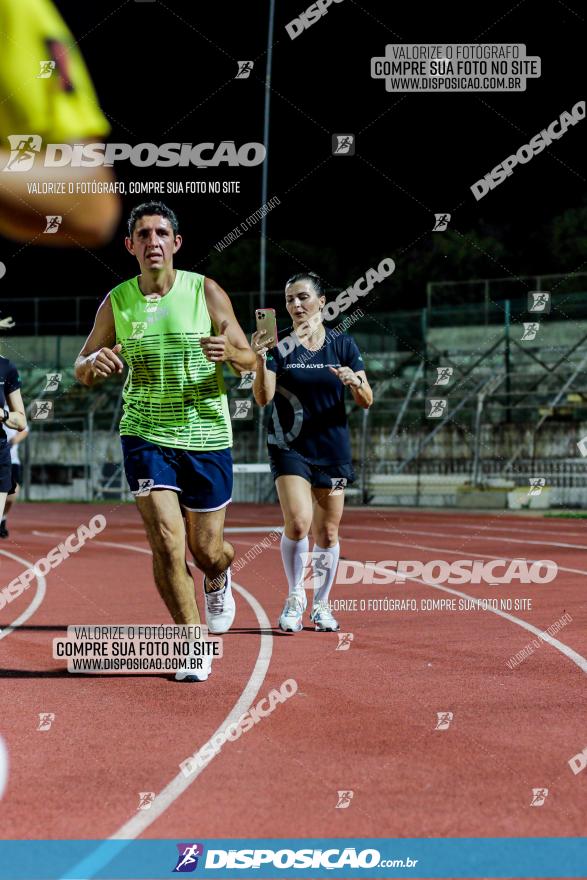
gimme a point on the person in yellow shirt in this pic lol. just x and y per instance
(46, 92)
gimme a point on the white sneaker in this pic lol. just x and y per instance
(185, 673)
(322, 618)
(220, 607)
(293, 610)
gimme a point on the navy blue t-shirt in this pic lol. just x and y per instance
(308, 408)
(9, 382)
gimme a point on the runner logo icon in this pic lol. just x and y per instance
(46, 719)
(539, 795)
(244, 69)
(189, 854)
(23, 151)
(444, 719)
(441, 222)
(343, 145)
(539, 301)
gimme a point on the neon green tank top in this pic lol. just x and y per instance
(172, 395)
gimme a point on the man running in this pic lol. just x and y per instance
(175, 428)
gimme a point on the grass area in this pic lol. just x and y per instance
(568, 514)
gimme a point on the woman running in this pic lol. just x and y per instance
(308, 441)
(13, 416)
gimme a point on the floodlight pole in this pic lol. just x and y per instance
(264, 172)
(264, 185)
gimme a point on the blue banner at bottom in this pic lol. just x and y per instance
(553, 857)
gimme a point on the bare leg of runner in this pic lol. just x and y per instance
(205, 534)
(295, 498)
(327, 514)
(165, 528)
(213, 555)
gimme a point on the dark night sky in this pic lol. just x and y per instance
(164, 71)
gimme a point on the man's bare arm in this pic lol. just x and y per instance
(99, 359)
(89, 219)
(231, 343)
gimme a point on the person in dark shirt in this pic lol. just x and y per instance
(305, 376)
(13, 415)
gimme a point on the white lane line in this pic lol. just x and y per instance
(238, 530)
(27, 613)
(37, 598)
(3, 767)
(458, 553)
(554, 532)
(234, 529)
(480, 537)
(104, 853)
(560, 646)
(576, 658)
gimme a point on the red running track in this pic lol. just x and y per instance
(363, 719)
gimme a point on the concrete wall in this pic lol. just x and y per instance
(480, 337)
(51, 352)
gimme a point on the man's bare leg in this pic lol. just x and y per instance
(212, 554)
(165, 529)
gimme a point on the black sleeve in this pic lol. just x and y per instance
(12, 381)
(351, 355)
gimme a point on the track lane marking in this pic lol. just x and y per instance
(3, 767)
(480, 537)
(26, 614)
(572, 655)
(458, 553)
(554, 532)
(135, 826)
(36, 601)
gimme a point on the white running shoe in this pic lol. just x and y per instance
(322, 618)
(293, 610)
(185, 673)
(220, 607)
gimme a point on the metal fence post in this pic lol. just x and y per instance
(507, 358)
(424, 329)
(90, 456)
(26, 470)
(364, 426)
(486, 301)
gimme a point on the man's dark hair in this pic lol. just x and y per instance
(152, 208)
(314, 279)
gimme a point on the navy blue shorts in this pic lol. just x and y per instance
(202, 479)
(7, 482)
(321, 476)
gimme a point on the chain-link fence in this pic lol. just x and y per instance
(485, 393)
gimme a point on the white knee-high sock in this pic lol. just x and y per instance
(325, 565)
(294, 555)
